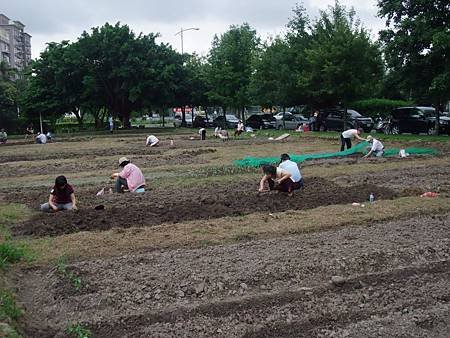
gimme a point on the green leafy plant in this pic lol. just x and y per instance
(70, 275)
(10, 253)
(78, 331)
(8, 306)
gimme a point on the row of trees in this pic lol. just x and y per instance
(329, 61)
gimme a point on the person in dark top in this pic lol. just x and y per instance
(62, 197)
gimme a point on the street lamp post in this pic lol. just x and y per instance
(183, 114)
(181, 35)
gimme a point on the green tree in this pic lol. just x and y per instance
(8, 104)
(46, 93)
(230, 67)
(343, 64)
(129, 72)
(274, 81)
(417, 47)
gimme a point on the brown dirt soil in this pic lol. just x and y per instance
(173, 206)
(95, 162)
(394, 283)
(416, 179)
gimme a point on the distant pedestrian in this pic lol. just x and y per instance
(3, 136)
(202, 133)
(41, 138)
(313, 121)
(152, 141)
(111, 124)
(62, 197)
(346, 137)
(376, 148)
(130, 178)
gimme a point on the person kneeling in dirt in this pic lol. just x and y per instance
(279, 179)
(346, 137)
(377, 148)
(62, 197)
(130, 178)
(152, 141)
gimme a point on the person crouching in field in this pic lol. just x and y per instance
(152, 141)
(376, 147)
(130, 178)
(279, 179)
(62, 197)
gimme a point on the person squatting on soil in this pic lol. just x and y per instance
(130, 178)
(152, 141)
(3, 136)
(223, 135)
(62, 197)
(346, 137)
(376, 148)
(285, 178)
(239, 129)
(41, 138)
(29, 131)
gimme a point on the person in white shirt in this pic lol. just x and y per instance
(239, 128)
(376, 148)
(346, 137)
(152, 141)
(41, 138)
(285, 178)
(217, 131)
(293, 169)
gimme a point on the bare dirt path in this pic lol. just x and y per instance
(395, 282)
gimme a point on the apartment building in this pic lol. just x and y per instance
(15, 44)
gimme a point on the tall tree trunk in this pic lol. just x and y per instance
(437, 122)
(183, 116)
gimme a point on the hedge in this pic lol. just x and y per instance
(378, 107)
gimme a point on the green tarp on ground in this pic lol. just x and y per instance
(359, 148)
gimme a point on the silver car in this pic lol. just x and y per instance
(291, 121)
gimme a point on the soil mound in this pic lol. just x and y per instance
(173, 206)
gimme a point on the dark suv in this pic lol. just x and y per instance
(262, 121)
(333, 119)
(416, 120)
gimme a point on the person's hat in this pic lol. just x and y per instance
(369, 138)
(123, 159)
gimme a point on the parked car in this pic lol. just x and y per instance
(333, 119)
(261, 121)
(416, 120)
(291, 121)
(231, 121)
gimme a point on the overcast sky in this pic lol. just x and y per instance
(57, 20)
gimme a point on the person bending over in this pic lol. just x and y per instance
(346, 137)
(62, 197)
(278, 179)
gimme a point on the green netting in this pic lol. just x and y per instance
(359, 148)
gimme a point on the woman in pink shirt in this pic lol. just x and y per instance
(130, 177)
